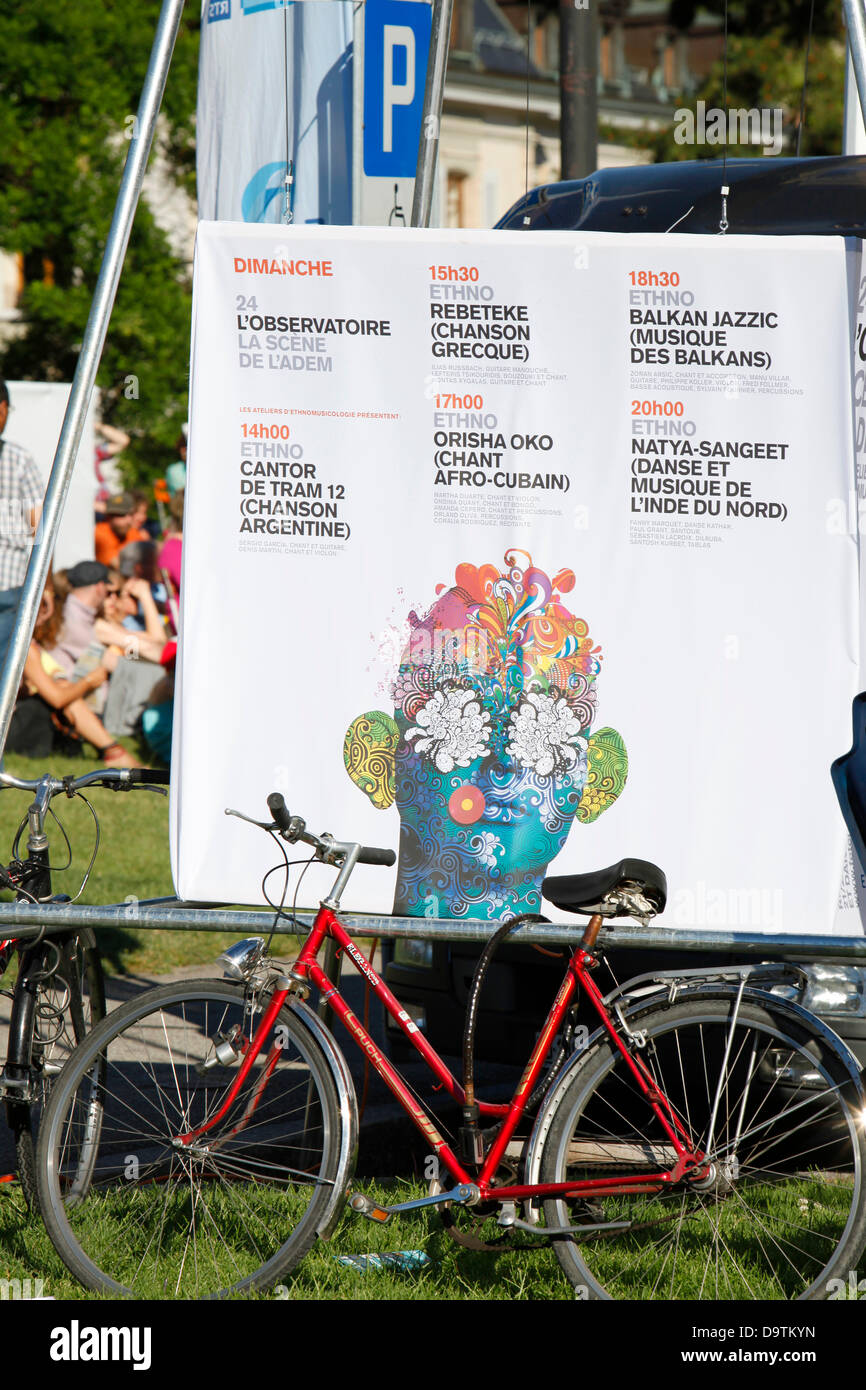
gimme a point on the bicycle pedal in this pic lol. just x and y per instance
(363, 1205)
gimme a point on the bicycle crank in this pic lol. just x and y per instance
(467, 1194)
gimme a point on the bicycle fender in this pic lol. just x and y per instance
(348, 1102)
(789, 1008)
(785, 1008)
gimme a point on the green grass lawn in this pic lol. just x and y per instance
(450, 1273)
(133, 862)
(521, 1269)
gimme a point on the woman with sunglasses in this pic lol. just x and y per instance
(52, 701)
(130, 620)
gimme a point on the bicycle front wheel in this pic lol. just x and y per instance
(228, 1212)
(60, 996)
(778, 1212)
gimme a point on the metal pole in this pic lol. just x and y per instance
(434, 91)
(578, 83)
(89, 357)
(855, 18)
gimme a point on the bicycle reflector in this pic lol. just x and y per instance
(365, 1206)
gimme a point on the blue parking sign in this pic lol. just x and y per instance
(396, 45)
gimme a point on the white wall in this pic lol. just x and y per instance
(36, 410)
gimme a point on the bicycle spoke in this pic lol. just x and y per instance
(162, 1218)
(762, 1218)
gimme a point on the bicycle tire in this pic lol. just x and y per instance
(783, 1211)
(66, 1005)
(229, 1216)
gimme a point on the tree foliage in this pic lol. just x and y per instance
(766, 74)
(790, 19)
(70, 83)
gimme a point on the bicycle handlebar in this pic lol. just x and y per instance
(116, 778)
(46, 787)
(147, 776)
(369, 855)
(294, 828)
(280, 811)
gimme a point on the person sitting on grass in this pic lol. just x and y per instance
(131, 626)
(138, 561)
(157, 716)
(129, 619)
(53, 705)
(86, 633)
(83, 588)
(169, 556)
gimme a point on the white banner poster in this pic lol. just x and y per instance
(511, 551)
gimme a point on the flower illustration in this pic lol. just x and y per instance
(595, 801)
(545, 736)
(487, 846)
(452, 728)
(412, 687)
(494, 704)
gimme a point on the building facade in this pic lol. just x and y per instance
(500, 125)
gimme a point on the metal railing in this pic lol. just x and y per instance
(23, 920)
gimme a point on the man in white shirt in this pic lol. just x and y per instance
(21, 493)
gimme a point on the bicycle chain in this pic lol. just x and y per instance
(472, 1242)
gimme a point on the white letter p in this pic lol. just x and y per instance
(396, 93)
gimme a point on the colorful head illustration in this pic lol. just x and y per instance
(489, 754)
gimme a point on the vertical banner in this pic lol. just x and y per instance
(511, 551)
(845, 517)
(275, 86)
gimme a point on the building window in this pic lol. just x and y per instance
(455, 211)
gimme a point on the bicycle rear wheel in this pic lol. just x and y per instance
(228, 1214)
(60, 996)
(780, 1213)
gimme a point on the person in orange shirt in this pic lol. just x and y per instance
(117, 530)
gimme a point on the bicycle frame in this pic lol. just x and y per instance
(16, 1072)
(307, 970)
(33, 884)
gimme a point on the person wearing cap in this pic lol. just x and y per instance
(88, 586)
(21, 493)
(117, 530)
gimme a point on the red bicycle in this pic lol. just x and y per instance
(707, 1141)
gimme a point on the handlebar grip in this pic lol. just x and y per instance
(279, 810)
(385, 857)
(152, 776)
